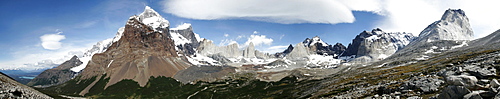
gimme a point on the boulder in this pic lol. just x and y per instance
(454, 92)
(426, 84)
(473, 95)
(494, 83)
(462, 80)
(480, 71)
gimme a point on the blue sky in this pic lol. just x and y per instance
(83, 23)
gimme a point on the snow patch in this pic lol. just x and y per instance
(464, 43)
(179, 39)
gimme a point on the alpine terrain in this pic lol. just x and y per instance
(150, 59)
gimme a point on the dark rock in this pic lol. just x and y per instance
(472, 95)
(454, 92)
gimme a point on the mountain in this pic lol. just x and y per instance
(145, 50)
(58, 75)
(152, 60)
(450, 32)
(454, 25)
(318, 46)
(376, 45)
(185, 39)
(285, 52)
(99, 47)
(13, 90)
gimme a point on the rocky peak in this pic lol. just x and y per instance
(453, 25)
(141, 53)
(152, 18)
(185, 39)
(74, 61)
(454, 14)
(249, 52)
(288, 49)
(57, 75)
(377, 44)
(298, 52)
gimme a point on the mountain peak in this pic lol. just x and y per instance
(454, 25)
(152, 18)
(453, 13)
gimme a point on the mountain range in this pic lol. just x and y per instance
(149, 59)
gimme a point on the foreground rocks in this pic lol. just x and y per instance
(10, 89)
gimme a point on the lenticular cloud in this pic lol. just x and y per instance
(276, 11)
(51, 41)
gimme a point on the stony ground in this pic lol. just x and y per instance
(10, 89)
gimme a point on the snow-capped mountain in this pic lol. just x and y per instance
(145, 50)
(99, 47)
(152, 18)
(452, 31)
(454, 25)
(185, 39)
(318, 46)
(376, 45)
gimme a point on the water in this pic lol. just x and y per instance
(26, 77)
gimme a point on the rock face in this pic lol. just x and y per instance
(454, 25)
(451, 32)
(316, 45)
(299, 52)
(10, 89)
(185, 39)
(143, 51)
(207, 48)
(99, 47)
(58, 75)
(249, 52)
(377, 45)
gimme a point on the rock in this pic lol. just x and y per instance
(473, 95)
(494, 83)
(10, 89)
(299, 52)
(414, 97)
(207, 48)
(426, 84)
(318, 46)
(453, 92)
(480, 72)
(486, 94)
(462, 80)
(249, 52)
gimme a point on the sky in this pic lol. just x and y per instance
(41, 34)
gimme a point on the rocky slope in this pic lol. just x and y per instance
(376, 45)
(10, 89)
(58, 75)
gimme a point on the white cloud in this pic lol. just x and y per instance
(400, 15)
(226, 35)
(52, 41)
(278, 11)
(32, 58)
(258, 40)
(274, 49)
